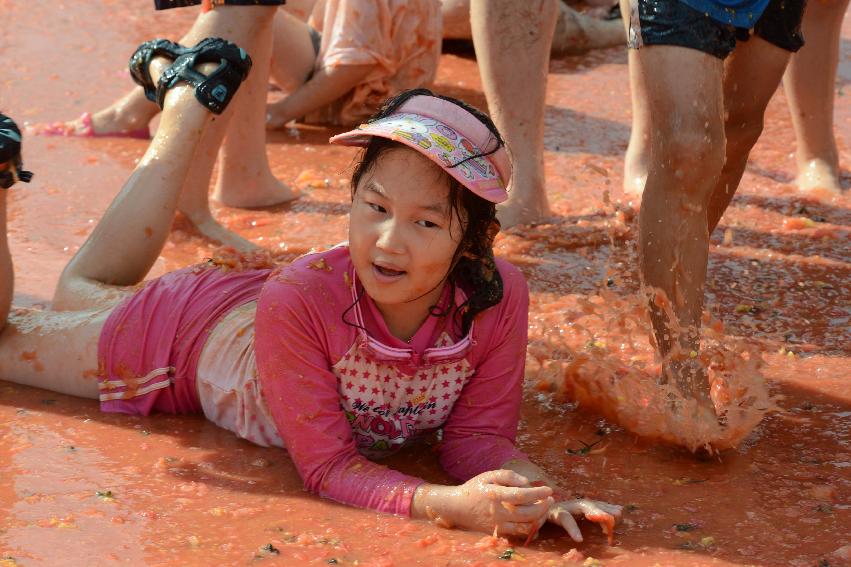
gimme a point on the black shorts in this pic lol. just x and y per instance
(671, 22)
(166, 4)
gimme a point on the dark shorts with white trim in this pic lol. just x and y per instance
(672, 22)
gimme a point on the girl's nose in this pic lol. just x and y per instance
(390, 238)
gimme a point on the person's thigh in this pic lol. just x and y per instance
(780, 24)
(751, 76)
(294, 50)
(53, 350)
(683, 89)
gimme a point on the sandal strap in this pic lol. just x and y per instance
(10, 154)
(215, 90)
(140, 62)
(10, 139)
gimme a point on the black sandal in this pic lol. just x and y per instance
(215, 90)
(140, 62)
(11, 166)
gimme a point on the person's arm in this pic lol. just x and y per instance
(352, 38)
(292, 350)
(324, 87)
(480, 432)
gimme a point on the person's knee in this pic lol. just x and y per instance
(69, 288)
(693, 156)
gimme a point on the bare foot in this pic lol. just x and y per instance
(211, 229)
(691, 379)
(112, 121)
(277, 115)
(819, 179)
(236, 187)
(516, 211)
(127, 117)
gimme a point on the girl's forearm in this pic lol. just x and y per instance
(430, 503)
(326, 86)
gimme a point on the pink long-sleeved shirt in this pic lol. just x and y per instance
(340, 391)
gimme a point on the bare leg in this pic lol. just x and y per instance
(54, 350)
(513, 42)
(810, 84)
(130, 113)
(637, 158)
(575, 32)
(245, 179)
(244, 175)
(751, 75)
(128, 239)
(133, 110)
(57, 350)
(44, 349)
(7, 279)
(687, 140)
(293, 55)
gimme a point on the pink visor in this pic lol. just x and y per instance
(446, 134)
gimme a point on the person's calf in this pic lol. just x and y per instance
(131, 233)
(673, 244)
(742, 133)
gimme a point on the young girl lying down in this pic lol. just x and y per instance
(341, 357)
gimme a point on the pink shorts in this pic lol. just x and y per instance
(149, 346)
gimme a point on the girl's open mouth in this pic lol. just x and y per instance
(384, 273)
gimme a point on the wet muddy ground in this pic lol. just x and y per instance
(79, 487)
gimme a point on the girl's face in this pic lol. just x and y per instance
(402, 233)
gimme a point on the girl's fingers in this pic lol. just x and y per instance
(589, 507)
(606, 522)
(503, 477)
(517, 496)
(579, 507)
(565, 519)
(524, 512)
(534, 533)
(613, 509)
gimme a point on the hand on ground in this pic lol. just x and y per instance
(500, 502)
(562, 514)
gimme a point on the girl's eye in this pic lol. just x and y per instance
(428, 224)
(377, 208)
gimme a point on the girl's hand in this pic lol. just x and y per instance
(498, 501)
(562, 514)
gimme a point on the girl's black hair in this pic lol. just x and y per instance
(472, 267)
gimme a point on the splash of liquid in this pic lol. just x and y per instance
(597, 352)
